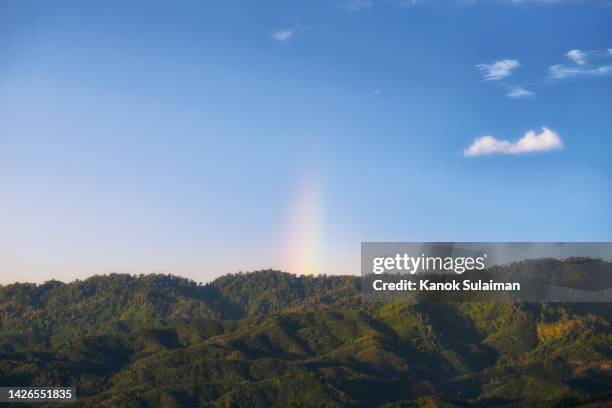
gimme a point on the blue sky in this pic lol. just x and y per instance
(157, 137)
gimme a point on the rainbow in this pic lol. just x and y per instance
(304, 237)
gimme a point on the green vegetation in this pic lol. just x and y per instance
(273, 339)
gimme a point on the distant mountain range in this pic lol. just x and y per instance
(269, 338)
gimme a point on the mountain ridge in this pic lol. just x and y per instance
(269, 338)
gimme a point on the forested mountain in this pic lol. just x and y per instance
(273, 339)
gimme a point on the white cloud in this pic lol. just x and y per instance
(545, 1)
(354, 5)
(564, 71)
(287, 34)
(518, 92)
(476, 2)
(499, 69)
(578, 56)
(515, 3)
(531, 142)
(283, 35)
(406, 3)
(581, 66)
(364, 4)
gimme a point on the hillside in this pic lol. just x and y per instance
(273, 339)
